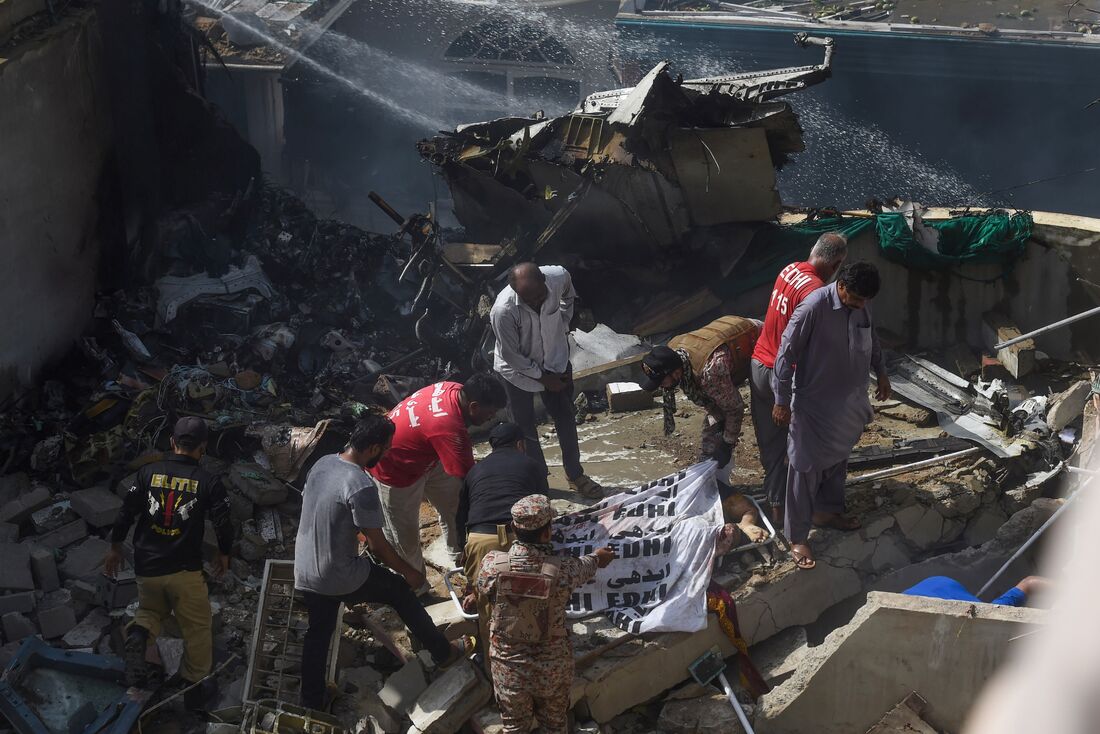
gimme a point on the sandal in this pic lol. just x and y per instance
(462, 648)
(585, 486)
(802, 561)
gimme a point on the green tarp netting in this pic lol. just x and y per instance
(994, 237)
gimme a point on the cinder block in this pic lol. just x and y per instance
(15, 567)
(623, 397)
(55, 621)
(82, 591)
(116, 592)
(21, 601)
(16, 626)
(44, 570)
(84, 561)
(23, 506)
(65, 535)
(52, 516)
(97, 506)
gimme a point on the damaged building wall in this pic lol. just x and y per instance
(938, 309)
(56, 135)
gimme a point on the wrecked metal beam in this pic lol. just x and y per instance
(1048, 327)
(894, 471)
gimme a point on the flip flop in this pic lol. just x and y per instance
(802, 561)
(840, 522)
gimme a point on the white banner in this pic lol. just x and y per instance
(664, 533)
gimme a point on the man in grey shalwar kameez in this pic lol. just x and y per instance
(831, 339)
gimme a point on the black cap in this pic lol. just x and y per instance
(658, 365)
(506, 434)
(190, 430)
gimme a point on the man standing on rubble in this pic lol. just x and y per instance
(170, 501)
(339, 501)
(530, 654)
(794, 284)
(430, 457)
(530, 321)
(831, 338)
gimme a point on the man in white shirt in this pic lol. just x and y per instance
(530, 321)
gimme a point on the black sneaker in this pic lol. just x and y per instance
(133, 655)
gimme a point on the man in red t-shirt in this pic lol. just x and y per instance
(431, 454)
(795, 282)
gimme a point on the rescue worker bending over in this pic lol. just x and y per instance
(709, 365)
(530, 654)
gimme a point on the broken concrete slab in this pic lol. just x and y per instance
(450, 621)
(16, 626)
(44, 569)
(88, 632)
(84, 561)
(610, 687)
(63, 536)
(1018, 359)
(921, 525)
(894, 645)
(15, 568)
(779, 656)
(52, 516)
(404, 687)
(1068, 405)
(21, 508)
(711, 714)
(451, 700)
(97, 506)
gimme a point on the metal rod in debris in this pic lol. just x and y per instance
(894, 471)
(1049, 327)
(1023, 548)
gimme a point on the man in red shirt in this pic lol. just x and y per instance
(795, 282)
(431, 454)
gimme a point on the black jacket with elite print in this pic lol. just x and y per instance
(170, 501)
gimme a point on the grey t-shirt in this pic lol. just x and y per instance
(339, 498)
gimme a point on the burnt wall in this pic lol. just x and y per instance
(54, 125)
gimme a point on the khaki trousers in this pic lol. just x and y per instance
(401, 512)
(479, 545)
(184, 595)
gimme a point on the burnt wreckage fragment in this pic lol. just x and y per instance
(671, 172)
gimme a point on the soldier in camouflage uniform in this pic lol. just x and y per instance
(530, 655)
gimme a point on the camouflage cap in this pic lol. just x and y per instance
(532, 512)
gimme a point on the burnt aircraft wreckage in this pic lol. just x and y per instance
(632, 173)
(670, 176)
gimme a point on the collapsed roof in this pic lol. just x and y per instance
(632, 173)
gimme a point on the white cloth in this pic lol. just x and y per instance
(528, 343)
(665, 533)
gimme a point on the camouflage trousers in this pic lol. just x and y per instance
(532, 682)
